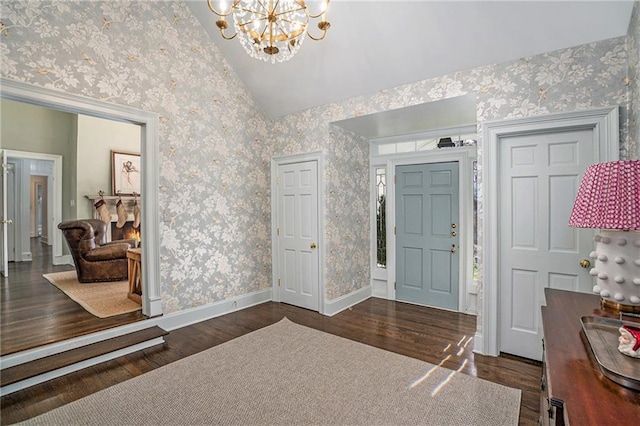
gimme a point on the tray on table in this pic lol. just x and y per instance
(602, 335)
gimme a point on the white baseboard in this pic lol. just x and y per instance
(201, 313)
(65, 259)
(478, 344)
(332, 307)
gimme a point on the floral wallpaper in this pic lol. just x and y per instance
(214, 151)
(215, 146)
(633, 45)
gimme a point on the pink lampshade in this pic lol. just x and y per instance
(608, 197)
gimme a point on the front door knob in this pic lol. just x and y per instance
(584, 263)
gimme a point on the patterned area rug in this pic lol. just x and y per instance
(288, 374)
(106, 299)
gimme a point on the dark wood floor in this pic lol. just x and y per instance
(33, 312)
(415, 331)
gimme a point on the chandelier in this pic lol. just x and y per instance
(270, 30)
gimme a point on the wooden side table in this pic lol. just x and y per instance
(135, 275)
(574, 389)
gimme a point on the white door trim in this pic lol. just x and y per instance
(75, 104)
(465, 157)
(55, 197)
(604, 122)
(318, 157)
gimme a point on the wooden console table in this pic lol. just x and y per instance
(574, 390)
(134, 256)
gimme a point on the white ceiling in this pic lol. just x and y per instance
(375, 45)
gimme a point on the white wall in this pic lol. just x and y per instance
(97, 137)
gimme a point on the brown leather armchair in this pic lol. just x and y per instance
(96, 259)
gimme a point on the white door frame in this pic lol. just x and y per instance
(605, 124)
(55, 198)
(75, 104)
(318, 157)
(465, 157)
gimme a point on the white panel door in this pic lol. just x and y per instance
(298, 234)
(539, 179)
(4, 220)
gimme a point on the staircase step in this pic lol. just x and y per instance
(44, 365)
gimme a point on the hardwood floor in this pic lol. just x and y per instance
(414, 331)
(33, 312)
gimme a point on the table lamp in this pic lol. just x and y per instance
(609, 199)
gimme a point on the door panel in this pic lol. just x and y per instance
(539, 178)
(426, 208)
(297, 201)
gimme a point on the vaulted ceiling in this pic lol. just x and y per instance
(374, 45)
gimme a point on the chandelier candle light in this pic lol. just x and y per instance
(609, 199)
(270, 30)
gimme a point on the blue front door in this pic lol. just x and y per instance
(427, 234)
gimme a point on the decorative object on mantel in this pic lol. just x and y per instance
(629, 341)
(125, 173)
(609, 199)
(136, 212)
(101, 208)
(270, 30)
(121, 212)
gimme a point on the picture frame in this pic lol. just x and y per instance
(125, 173)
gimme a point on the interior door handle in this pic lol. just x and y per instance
(584, 263)
(453, 248)
(313, 245)
(8, 221)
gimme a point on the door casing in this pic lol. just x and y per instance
(55, 197)
(604, 122)
(149, 121)
(318, 157)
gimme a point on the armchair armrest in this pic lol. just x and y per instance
(131, 241)
(110, 251)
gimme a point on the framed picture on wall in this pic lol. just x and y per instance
(125, 173)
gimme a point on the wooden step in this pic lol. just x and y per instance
(50, 363)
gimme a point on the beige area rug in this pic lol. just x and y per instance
(103, 300)
(288, 374)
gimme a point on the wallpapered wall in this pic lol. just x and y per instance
(214, 153)
(633, 45)
(215, 148)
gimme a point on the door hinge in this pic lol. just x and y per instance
(278, 282)
(395, 179)
(278, 231)
(395, 285)
(278, 180)
(394, 231)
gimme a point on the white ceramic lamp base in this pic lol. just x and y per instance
(617, 269)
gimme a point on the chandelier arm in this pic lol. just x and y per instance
(224, 36)
(222, 14)
(324, 33)
(326, 6)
